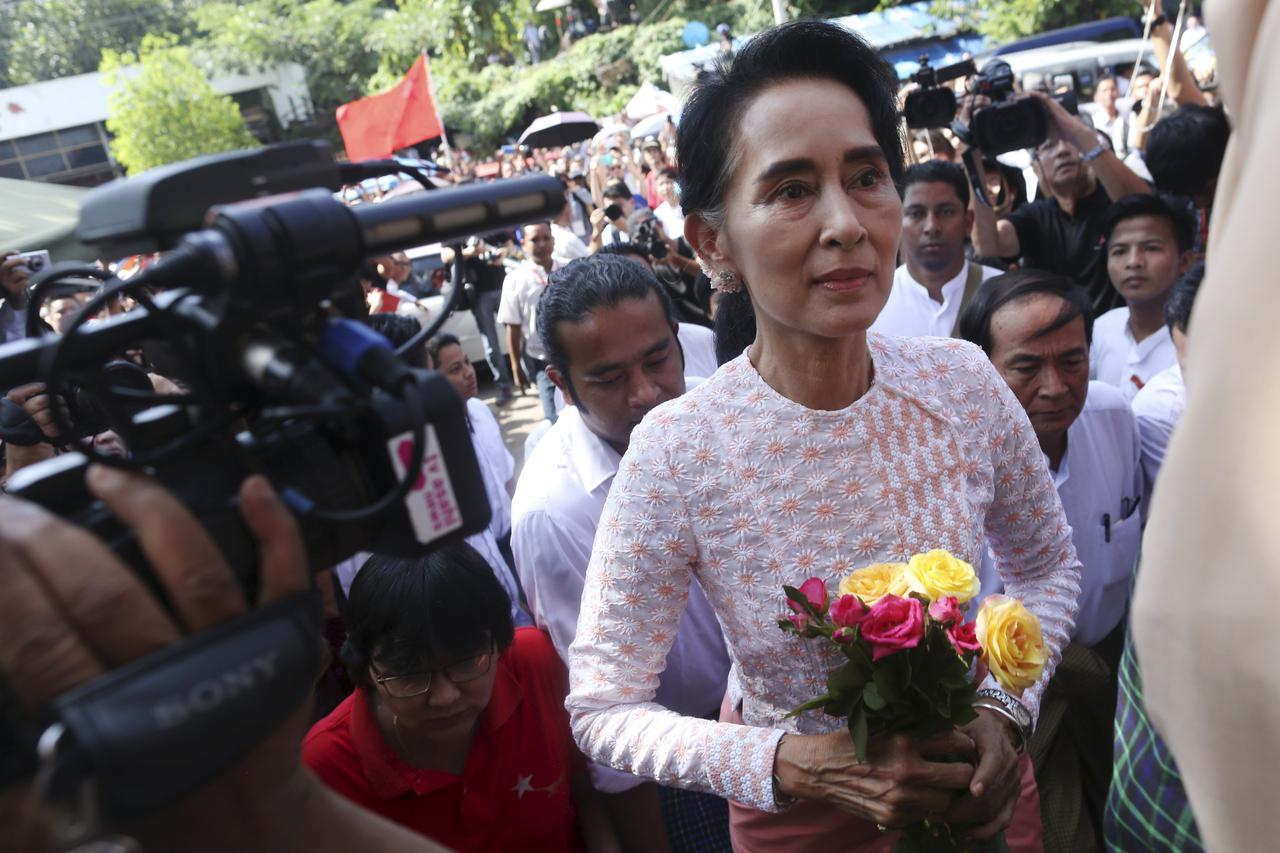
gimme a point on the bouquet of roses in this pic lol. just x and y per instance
(910, 652)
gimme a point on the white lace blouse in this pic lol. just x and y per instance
(751, 491)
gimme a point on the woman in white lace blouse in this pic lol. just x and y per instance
(819, 450)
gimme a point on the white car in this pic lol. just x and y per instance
(461, 324)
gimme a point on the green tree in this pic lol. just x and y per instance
(1009, 20)
(46, 39)
(468, 31)
(326, 37)
(161, 108)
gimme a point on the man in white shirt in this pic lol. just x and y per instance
(610, 331)
(605, 231)
(568, 246)
(518, 310)
(936, 280)
(1033, 326)
(1148, 245)
(1110, 114)
(669, 212)
(1158, 406)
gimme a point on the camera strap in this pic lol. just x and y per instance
(164, 726)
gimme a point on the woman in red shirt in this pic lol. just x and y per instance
(458, 729)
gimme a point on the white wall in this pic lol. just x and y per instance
(73, 101)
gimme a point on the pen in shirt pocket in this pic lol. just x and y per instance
(1129, 507)
(1106, 526)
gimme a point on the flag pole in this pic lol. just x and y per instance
(431, 83)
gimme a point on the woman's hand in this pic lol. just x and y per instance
(997, 780)
(903, 780)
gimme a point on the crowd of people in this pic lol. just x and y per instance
(785, 339)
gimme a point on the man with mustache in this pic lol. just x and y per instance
(936, 280)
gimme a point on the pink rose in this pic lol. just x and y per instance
(946, 610)
(815, 592)
(843, 635)
(847, 611)
(801, 621)
(964, 636)
(894, 624)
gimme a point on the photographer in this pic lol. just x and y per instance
(483, 274)
(14, 275)
(1062, 231)
(609, 223)
(60, 627)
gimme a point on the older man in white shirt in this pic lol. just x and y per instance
(937, 280)
(1033, 326)
(518, 310)
(610, 332)
(1148, 245)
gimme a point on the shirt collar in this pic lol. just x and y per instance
(951, 290)
(1147, 345)
(592, 457)
(389, 775)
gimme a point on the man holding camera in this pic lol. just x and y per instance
(609, 223)
(1060, 232)
(14, 274)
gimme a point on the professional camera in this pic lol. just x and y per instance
(243, 308)
(1010, 122)
(647, 235)
(934, 105)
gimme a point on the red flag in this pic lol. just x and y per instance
(404, 115)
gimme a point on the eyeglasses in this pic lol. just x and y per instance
(459, 672)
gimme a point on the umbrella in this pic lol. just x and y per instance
(559, 129)
(549, 5)
(649, 100)
(653, 125)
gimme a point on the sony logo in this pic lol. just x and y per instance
(208, 695)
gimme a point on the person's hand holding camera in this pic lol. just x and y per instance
(1063, 125)
(61, 626)
(968, 105)
(598, 221)
(14, 273)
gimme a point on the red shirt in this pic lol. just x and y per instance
(514, 791)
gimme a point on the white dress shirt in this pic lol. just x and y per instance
(672, 220)
(1117, 359)
(521, 291)
(1100, 484)
(558, 502)
(497, 465)
(568, 246)
(1158, 407)
(699, 345)
(911, 312)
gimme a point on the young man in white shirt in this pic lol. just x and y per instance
(1034, 327)
(610, 331)
(518, 310)
(669, 212)
(1158, 406)
(568, 246)
(936, 280)
(1148, 245)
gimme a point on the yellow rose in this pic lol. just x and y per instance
(874, 582)
(937, 574)
(1012, 645)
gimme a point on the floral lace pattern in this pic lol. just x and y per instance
(751, 491)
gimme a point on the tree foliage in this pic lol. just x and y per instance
(161, 108)
(468, 32)
(45, 39)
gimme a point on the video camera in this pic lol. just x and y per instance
(245, 309)
(1009, 123)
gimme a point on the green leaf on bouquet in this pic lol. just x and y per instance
(872, 698)
(858, 731)
(888, 684)
(811, 705)
(847, 679)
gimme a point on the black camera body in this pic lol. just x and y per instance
(646, 235)
(1011, 122)
(934, 105)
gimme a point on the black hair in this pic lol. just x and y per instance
(1185, 149)
(404, 612)
(582, 287)
(1177, 311)
(670, 172)
(623, 248)
(1143, 204)
(941, 172)
(617, 189)
(735, 326)
(398, 329)
(706, 139)
(1000, 290)
(369, 272)
(439, 342)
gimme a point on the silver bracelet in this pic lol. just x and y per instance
(992, 705)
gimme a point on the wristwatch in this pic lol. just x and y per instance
(1010, 708)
